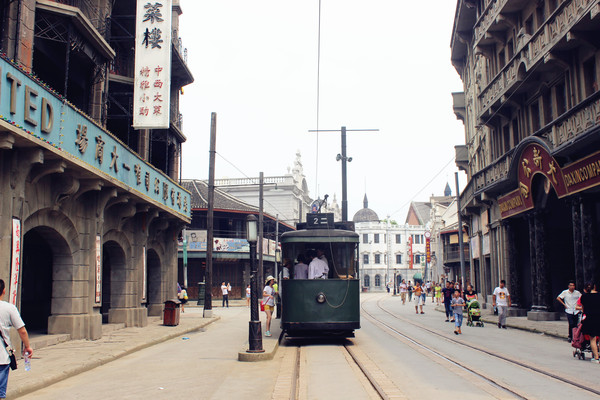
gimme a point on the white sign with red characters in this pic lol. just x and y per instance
(15, 264)
(152, 83)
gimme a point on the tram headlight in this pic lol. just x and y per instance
(321, 298)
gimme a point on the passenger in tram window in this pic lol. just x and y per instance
(317, 269)
(321, 256)
(301, 269)
(285, 270)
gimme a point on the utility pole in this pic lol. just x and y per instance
(210, 218)
(261, 269)
(460, 235)
(344, 158)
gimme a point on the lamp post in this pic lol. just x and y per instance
(254, 328)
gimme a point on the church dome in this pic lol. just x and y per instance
(365, 214)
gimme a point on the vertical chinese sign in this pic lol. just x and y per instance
(410, 252)
(98, 270)
(15, 261)
(144, 275)
(152, 84)
(428, 249)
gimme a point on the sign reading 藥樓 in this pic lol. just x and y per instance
(151, 93)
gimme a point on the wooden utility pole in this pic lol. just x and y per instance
(344, 158)
(210, 218)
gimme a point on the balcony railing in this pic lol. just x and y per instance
(90, 10)
(534, 50)
(452, 254)
(488, 17)
(177, 118)
(178, 45)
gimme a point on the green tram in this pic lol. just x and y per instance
(322, 307)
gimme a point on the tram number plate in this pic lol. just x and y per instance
(323, 220)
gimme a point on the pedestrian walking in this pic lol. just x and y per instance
(418, 292)
(568, 298)
(501, 300)
(10, 317)
(457, 304)
(470, 293)
(225, 290)
(403, 291)
(447, 293)
(183, 297)
(410, 292)
(590, 304)
(438, 293)
(269, 302)
(424, 291)
(248, 292)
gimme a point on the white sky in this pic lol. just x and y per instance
(385, 64)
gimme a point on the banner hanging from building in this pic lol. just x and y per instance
(15, 261)
(410, 252)
(98, 285)
(152, 84)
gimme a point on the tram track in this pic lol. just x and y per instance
(373, 380)
(485, 377)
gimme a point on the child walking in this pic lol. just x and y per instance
(457, 305)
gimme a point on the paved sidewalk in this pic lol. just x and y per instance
(551, 328)
(55, 363)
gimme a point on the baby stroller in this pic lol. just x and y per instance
(474, 314)
(580, 343)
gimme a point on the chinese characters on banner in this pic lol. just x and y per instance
(98, 269)
(15, 263)
(428, 249)
(152, 85)
(410, 252)
(144, 276)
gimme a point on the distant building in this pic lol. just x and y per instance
(385, 250)
(286, 196)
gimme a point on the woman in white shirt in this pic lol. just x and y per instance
(269, 302)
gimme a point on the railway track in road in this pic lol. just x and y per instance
(292, 380)
(436, 353)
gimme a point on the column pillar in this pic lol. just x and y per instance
(577, 241)
(541, 291)
(587, 240)
(514, 278)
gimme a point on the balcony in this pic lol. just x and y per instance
(180, 74)
(531, 51)
(452, 253)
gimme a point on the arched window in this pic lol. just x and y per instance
(367, 281)
(377, 280)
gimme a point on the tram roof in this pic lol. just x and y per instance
(320, 235)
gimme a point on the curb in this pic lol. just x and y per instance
(45, 382)
(244, 356)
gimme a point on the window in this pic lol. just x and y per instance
(561, 99)
(365, 238)
(589, 76)
(377, 258)
(506, 137)
(376, 238)
(501, 59)
(510, 49)
(398, 239)
(367, 281)
(398, 258)
(365, 258)
(377, 280)
(529, 25)
(417, 259)
(535, 116)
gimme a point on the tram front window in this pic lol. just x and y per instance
(340, 257)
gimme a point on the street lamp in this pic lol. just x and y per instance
(254, 328)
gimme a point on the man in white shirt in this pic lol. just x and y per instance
(568, 298)
(9, 317)
(321, 256)
(225, 290)
(403, 291)
(317, 269)
(501, 299)
(301, 269)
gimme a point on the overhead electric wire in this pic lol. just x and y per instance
(318, 101)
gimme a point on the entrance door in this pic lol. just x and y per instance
(153, 280)
(113, 278)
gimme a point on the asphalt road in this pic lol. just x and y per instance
(205, 365)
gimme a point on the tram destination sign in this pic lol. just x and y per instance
(319, 221)
(32, 110)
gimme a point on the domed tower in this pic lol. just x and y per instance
(365, 214)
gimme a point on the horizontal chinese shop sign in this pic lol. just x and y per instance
(575, 177)
(34, 108)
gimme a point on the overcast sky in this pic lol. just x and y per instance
(385, 64)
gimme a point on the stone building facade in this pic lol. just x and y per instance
(90, 210)
(531, 110)
(385, 250)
